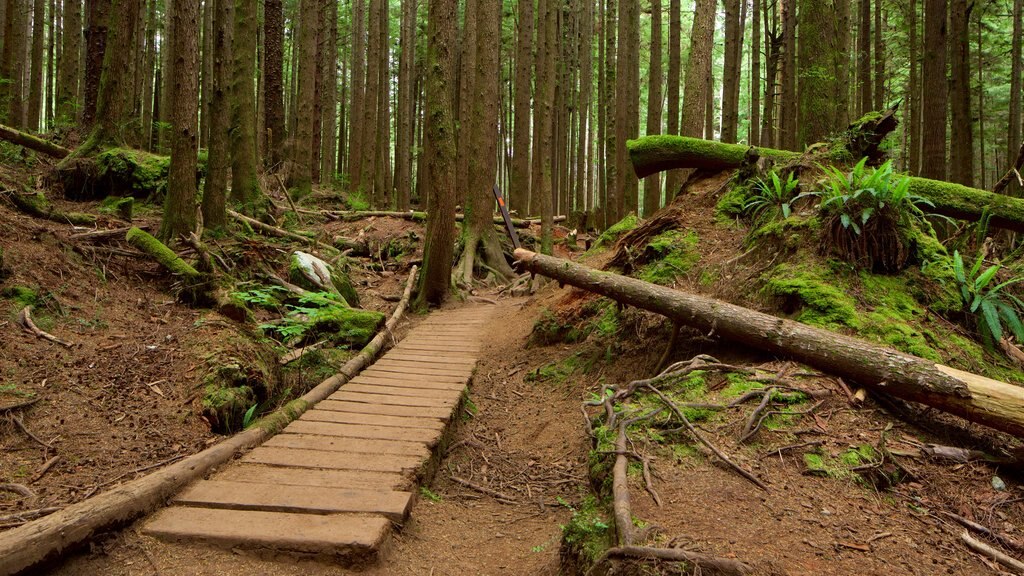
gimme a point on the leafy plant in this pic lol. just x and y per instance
(249, 415)
(990, 304)
(772, 197)
(429, 494)
(264, 296)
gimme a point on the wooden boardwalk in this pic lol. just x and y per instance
(335, 482)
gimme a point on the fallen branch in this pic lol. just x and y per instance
(21, 426)
(300, 352)
(17, 489)
(967, 395)
(704, 563)
(985, 531)
(46, 468)
(620, 491)
(280, 232)
(27, 546)
(37, 206)
(19, 405)
(104, 234)
(482, 489)
(32, 143)
(25, 516)
(990, 552)
(1012, 174)
(25, 318)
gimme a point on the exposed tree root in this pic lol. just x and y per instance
(25, 318)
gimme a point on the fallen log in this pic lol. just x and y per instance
(349, 215)
(976, 398)
(32, 142)
(269, 230)
(653, 154)
(33, 543)
(36, 205)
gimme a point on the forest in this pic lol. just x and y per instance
(520, 286)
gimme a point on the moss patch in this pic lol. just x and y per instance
(815, 297)
(668, 255)
(127, 172)
(615, 230)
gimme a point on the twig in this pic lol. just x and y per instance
(482, 489)
(100, 234)
(715, 565)
(17, 489)
(20, 405)
(668, 348)
(990, 552)
(750, 429)
(46, 468)
(25, 516)
(21, 426)
(693, 431)
(25, 317)
(985, 531)
(287, 196)
(300, 352)
(792, 447)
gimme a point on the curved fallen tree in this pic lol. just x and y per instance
(47, 538)
(653, 154)
(970, 396)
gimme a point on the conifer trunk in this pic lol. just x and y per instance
(731, 74)
(357, 94)
(519, 190)
(934, 100)
(962, 133)
(404, 131)
(754, 127)
(652, 184)
(788, 99)
(273, 82)
(1013, 130)
(35, 92)
(180, 205)
(301, 172)
(865, 103)
(67, 81)
(245, 186)
(219, 159)
(672, 178)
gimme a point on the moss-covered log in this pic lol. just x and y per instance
(162, 254)
(975, 398)
(117, 172)
(32, 143)
(36, 204)
(652, 154)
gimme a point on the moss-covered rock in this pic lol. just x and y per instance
(122, 207)
(352, 325)
(314, 274)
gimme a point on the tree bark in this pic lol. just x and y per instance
(112, 107)
(546, 93)
(584, 168)
(519, 191)
(651, 155)
(1013, 130)
(245, 185)
(914, 113)
(12, 65)
(180, 206)
(698, 67)
(934, 101)
(731, 74)
(439, 245)
(404, 131)
(358, 97)
(67, 81)
(672, 178)
(819, 81)
(219, 158)
(773, 44)
(35, 91)
(652, 184)
(754, 127)
(962, 133)
(301, 173)
(864, 58)
(32, 143)
(467, 75)
(273, 82)
(206, 81)
(879, 81)
(975, 398)
(788, 99)
(609, 200)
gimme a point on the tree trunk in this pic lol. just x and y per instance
(404, 132)
(610, 201)
(773, 43)
(206, 81)
(180, 206)
(584, 167)
(962, 132)
(167, 78)
(1013, 131)
(913, 126)
(35, 92)
(32, 143)
(546, 93)
(651, 155)
(788, 98)
(358, 97)
(731, 74)
(67, 81)
(519, 191)
(819, 81)
(864, 58)
(382, 186)
(371, 97)
(652, 184)
(245, 185)
(439, 142)
(934, 101)
(698, 67)
(301, 173)
(12, 65)
(219, 158)
(879, 82)
(112, 107)
(839, 49)
(672, 179)
(975, 398)
(754, 127)
(273, 81)
(631, 47)
(467, 75)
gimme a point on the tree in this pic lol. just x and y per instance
(35, 92)
(934, 100)
(627, 104)
(439, 142)
(879, 82)
(609, 107)
(273, 81)
(519, 191)
(820, 82)
(329, 143)
(547, 21)
(357, 94)
(301, 173)
(788, 99)
(180, 204)
(652, 184)
(1013, 130)
(962, 134)
(914, 91)
(219, 158)
(672, 182)
(112, 111)
(754, 127)
(12, 65)
(404, 134)
(731, 74)
(67, 80)
(245, 185)
(864, 58)
(698, 67)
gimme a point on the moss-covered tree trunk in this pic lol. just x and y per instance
(245, 185)
(301, 173)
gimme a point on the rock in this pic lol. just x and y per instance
(314, 274)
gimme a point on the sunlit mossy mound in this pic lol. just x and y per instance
(844, 249)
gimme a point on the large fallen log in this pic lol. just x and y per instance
(32, 143)
(653, 154)
(41, 540)
(972, 397)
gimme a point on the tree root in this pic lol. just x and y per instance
(707, 565)
(25, 318)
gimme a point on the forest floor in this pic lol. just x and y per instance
(124, 399)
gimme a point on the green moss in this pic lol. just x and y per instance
(793, 233)
(133, 172)
(21, 296)
(814, 296)
(588, 533)
(615, 230)
(161, 253)
(37, 205)
(352, 325)
(858, 455)
(733, 203)
(669, 255)
(122, 207)
(557, 372)
(274, 423)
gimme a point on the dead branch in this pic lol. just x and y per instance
(482, 489)
(300, 352)
(705, 564)
(771, 413)
(18, 489)
(269, 230)
(25, 516)
(20, 405)
(25, 317)
(46, 468)
(104, 234)
(620, 491)
(32, 143)
(1011, 174)
(21, 426)
(985, 531)
(750, 428)
(990, 552)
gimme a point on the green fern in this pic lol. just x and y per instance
(991, 306)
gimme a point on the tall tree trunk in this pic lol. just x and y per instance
(1013, 131)
(914, 91)
(35, 92)
(698, 68)
(983, 181)
(382, 166)
(67, 81)
(879, 82)
(772, 45)
(329, 142)
(754, 127)
(864, 58)
(819, 83)
(672, 179)
(357, 94)
(934, 101)
(112, 100)
(52, 58)
(467, 75)
(547, 27)
(788, 99)
(519, 191)
(404, 132)
(273, 81)
(839, 49)
(167, 65)
(371, 96)
(652, 184)
(709, 105)
(180, 204)
(439, 151)
(245, 185)
(301, 172)
(962, 133)
(612, 176)
(625, 106)
(206, 81)
(600, 154)
(12, 65)
(731, 74)
(219, 159)
(586, 137)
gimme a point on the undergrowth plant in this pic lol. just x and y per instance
(772, 197)
(868, 215)
(990, 304)
(300, 318)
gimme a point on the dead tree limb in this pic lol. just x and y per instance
(970, 396)
(706, 564)
(32, 143)
(620, 491)
(269, 230)
(1012, 174)
(25, 318)
(989, 552)
(652, 154)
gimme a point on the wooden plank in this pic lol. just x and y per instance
(349, 407)
(426, 435)
(402, 368)
(373, 419)
(390, 373)
(391, 504)
(287, 439)
(288, 476)
(373, 398)
(431, 359)
(419, 392)
(441, 367)
(298, 458)
(349, 537)
(399, 381)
